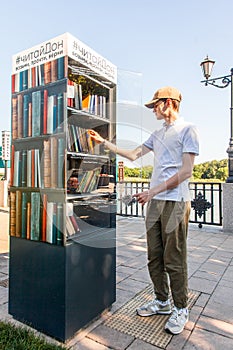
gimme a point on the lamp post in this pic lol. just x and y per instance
(207, 66)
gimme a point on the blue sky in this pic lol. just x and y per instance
(153, 44)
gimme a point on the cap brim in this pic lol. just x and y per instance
(150, 104)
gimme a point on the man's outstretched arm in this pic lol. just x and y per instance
(129, 154)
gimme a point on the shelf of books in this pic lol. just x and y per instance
(62, 193)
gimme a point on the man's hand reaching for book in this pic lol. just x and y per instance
(95, 136)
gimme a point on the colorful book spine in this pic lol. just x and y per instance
(12, 214)
(25, 201)
(36, 113)
(60, 162)
(35, 216)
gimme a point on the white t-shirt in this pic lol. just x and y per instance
(169, 143)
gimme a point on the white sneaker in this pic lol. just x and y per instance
(177, 320)
(155, 307)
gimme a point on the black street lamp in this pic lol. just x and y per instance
(207, 66)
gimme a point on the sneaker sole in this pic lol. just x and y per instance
(156, 313)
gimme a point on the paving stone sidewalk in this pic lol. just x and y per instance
(210, 253)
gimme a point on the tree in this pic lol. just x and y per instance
(215, 169)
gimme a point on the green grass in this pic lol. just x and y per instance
(20, 338)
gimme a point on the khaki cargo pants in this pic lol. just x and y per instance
(167, 228)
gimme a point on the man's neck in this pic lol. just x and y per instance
(171, 118)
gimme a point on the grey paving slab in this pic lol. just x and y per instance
(216, 326)
(223, 294)
(214, 266)
(141, 345)
(138, 262)
(219, 312)
(202, 285)
(121, 276)
(3, 276)
(193, 266)
(110, 337)
(202, 300)
(122, 296)
(131, 252)
(126, 269)
(226, 283)
(178, 342)
(142, 275)
(194, 315)
(4, 316)
(88, 344)
(132, 285)
(204, 340)
(223, 255)
(228, 274)
(3, 295)
(211, 276)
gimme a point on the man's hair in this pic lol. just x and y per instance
(175, 104)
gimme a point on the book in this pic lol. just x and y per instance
(12, 165)
(23, 169)
(30, 119)
(54, 161)
(60, 112)
(49, 222)
(47, 72)
(54, 223)
(18, 221)
(44, 218)
(86, 103)
(28, 232)
(61, 68)
(16, 156)
(60, 229)
(45, 112)
(53, 71)
(54, 114)
(29, 168)
(12, 213)
(46, 161)
(24, 80)
(50, 114)
(14, 119)
(13, 81)
(38, 180)
(41, 74)
(36, 113)
(32, 168)
(20, 116)
(33, 76)
(25, 114)
(35, 216)
(60, 162)
(25, 200)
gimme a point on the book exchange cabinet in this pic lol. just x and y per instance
(62, 191)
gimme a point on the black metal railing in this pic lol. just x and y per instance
(126, 188)
(206, 201)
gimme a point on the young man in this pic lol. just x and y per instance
(175, 146)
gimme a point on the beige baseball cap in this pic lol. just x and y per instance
(165, 92)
